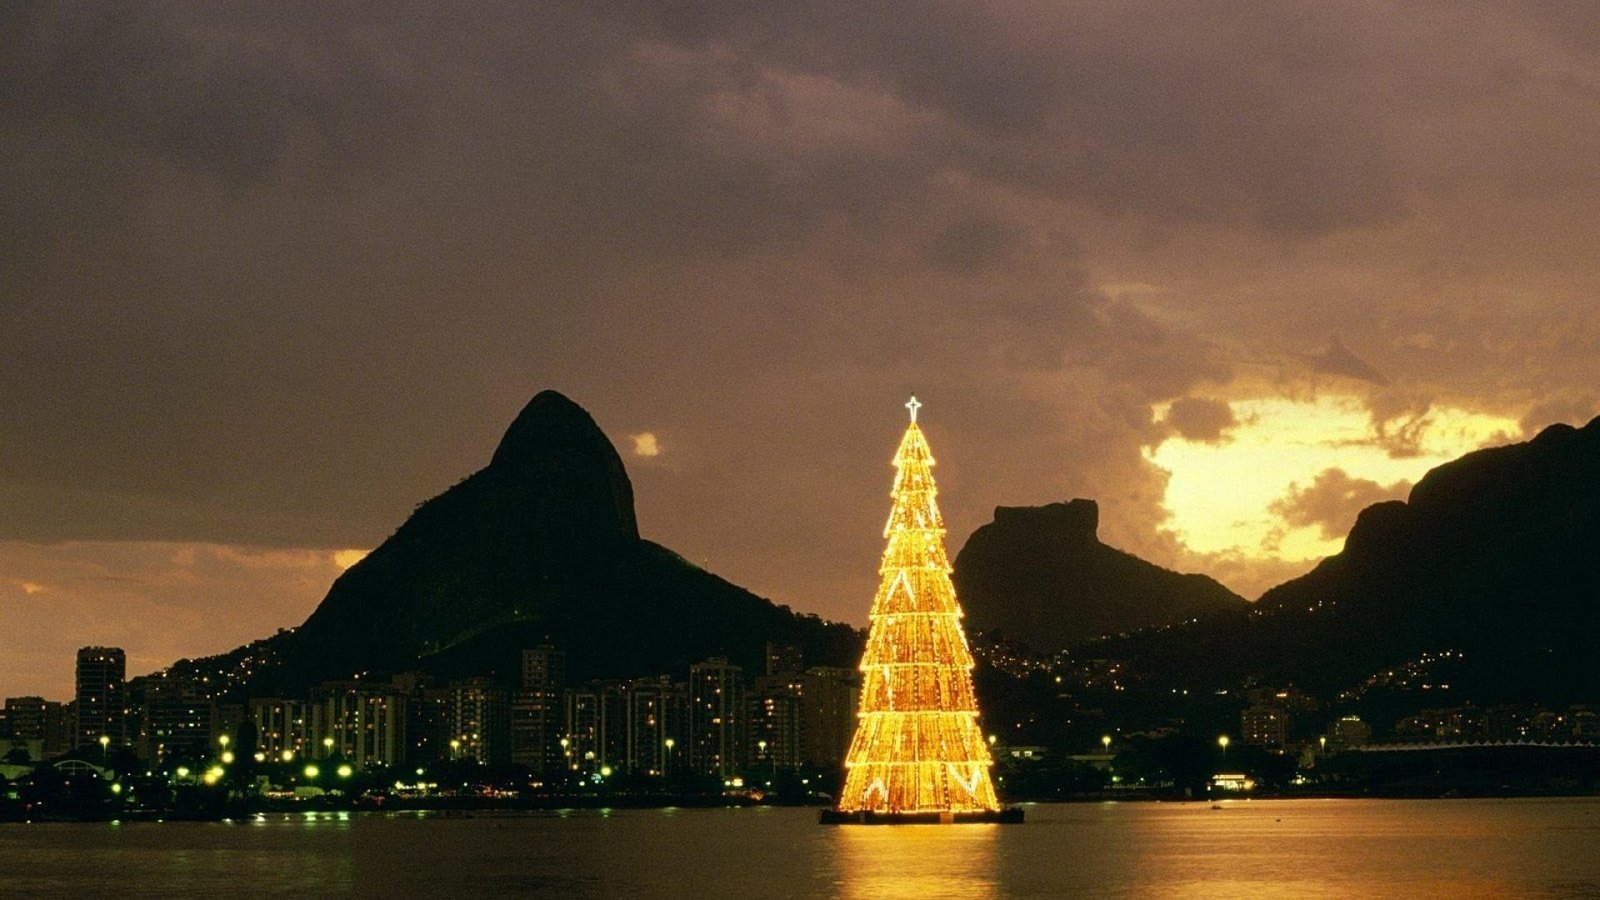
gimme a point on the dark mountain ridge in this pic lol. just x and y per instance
(1494, 557)
(540, 546)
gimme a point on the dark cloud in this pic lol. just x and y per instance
(1201, 419)
(1332, 501)
(274, 273)
(1569, 407)
(970, 245)
(1400, 422)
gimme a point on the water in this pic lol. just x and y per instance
(1300, 849)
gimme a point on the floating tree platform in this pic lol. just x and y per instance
(1011, 815)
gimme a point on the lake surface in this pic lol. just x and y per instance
(1298, 849)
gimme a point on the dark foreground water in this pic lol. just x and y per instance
(1299, 849)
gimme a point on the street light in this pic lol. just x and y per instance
(1223, 743)
(1105, 742)
(223, 740)
(105, 742)
(327, 746)
(667, 766)
(312, 772)
(345, 771)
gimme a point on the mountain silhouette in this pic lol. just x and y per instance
(1494, 557)
(540, 546)
(1040, 575)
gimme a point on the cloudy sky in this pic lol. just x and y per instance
(272, 274)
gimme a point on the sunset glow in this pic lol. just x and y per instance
(1222, 494)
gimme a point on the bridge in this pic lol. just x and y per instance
(1475, 745)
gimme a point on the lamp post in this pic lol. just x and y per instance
(1223, 743)
(327, 746)
(666, 765)
(105, 744)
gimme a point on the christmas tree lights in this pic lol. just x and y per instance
(917, 751)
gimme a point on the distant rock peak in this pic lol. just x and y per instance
(556, 445)
(1040, 575)
(1076, 519)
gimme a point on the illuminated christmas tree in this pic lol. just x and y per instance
(918, 752)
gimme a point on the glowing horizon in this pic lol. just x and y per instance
(1222, 494)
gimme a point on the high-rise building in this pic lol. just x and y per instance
(282, 724)
(544, 667)
(427, 712)
(587, 726)
(535, 727)
(477, 722)
(537, 715)
(60, 727)
(224, 720)
(429, 724)
(175, 721)
(783, 659)
(657, 726)
(828, 701)
(716, 718)
(1264, 726)
(25, 718)
(774, 731)
(1347, 732)
(101, 676)
(24, 726)
(362, 721)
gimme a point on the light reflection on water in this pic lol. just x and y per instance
(929, 862)
(1263, 850)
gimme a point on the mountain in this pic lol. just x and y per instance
(1484, 585)
(540, 546)
(1496, 554)
(1040, 575)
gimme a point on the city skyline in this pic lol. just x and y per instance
(274, 277)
